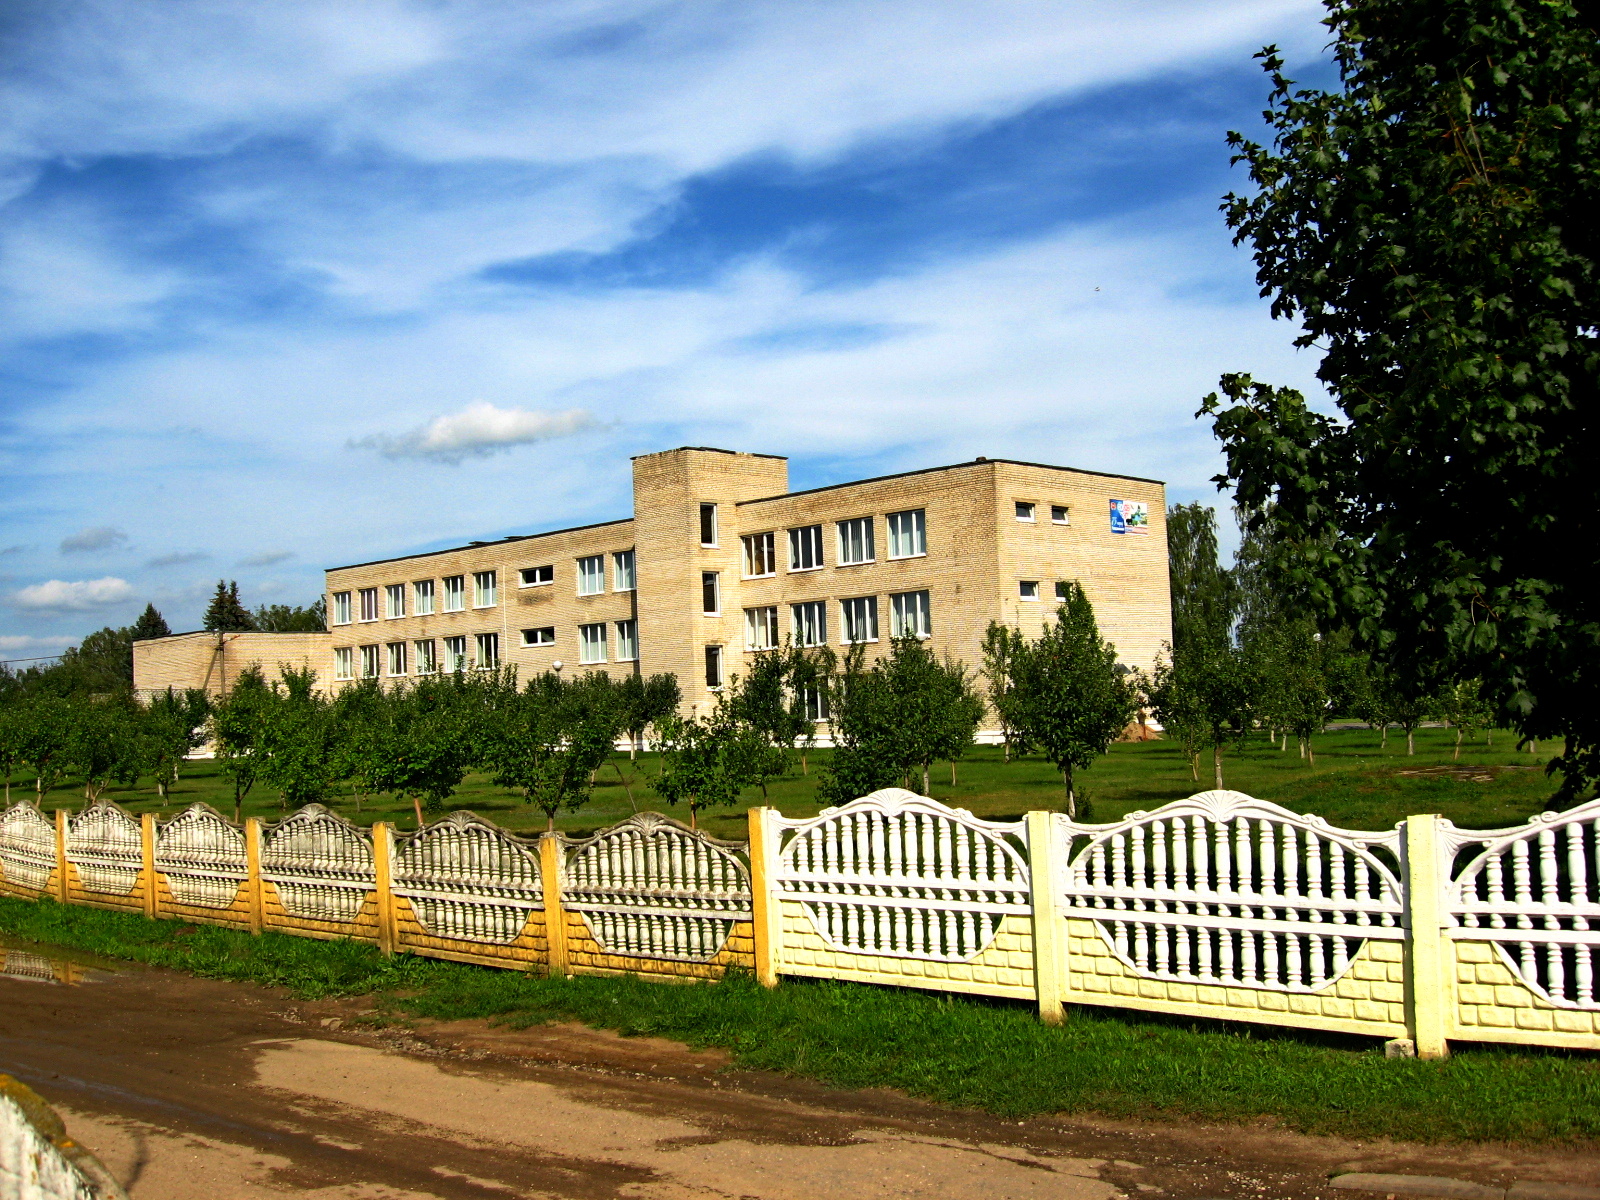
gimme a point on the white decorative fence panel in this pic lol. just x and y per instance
(897, 875)
(651, 887)
(1227, 890)
(106, 847)
(1533, 893)
(470, 880)
(320, 864)
(27, 846)
(202, 856)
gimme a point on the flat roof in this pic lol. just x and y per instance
(710, 450)
(234, 633)
(977, 462)
(515, 537)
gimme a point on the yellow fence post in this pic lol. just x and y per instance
(555, 917)
(383, 877)
(1049, 944)
(1429, 986)
(255, 889)
(765, 907)
(61, 855)
(147, 841)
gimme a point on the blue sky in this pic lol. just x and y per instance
(290, 285)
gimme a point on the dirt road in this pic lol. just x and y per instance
(189, 1088)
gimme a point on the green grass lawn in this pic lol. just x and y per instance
(986, 1054)
(1355, 783)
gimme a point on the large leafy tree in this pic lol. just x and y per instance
(1204, 596)
(1430, 224)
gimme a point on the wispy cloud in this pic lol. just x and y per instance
(272, 558)
(179, 559)
(101, 537)
(477, 431)
(21, 644)
(84, 595)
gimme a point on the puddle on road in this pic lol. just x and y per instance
(36, 962)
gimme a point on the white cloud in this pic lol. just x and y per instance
(478, 431)
(101, 537)
(28, 644)
(60, 595)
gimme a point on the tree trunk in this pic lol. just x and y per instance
(1005, 748)
(1194, 766)
(238, 805)
(1072, 801)
(927, 788)
(1456, 757)
(416, 803)
(1216, 765)
(1411, 740)
(952, 772)
(694, 814)
(1302, 742)
(804, 770)
(1383, 742)
(1311, 754)
(549, 820)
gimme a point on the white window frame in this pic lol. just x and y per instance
(709, 509)
(422, 598)
(371, 661)
(394, 600)
(341, 608)
(1060, 514)
(1028, 590)
(808, 538)
(856, 526)
(624, 576)
(809, 622)
(592, 637)
(344, 662)
(455, 593)
(908, 527)
(530, 637)
(1061, 591)
(816, 706)
(712, 581)
(395, 659)
(455, 650)
(592, 570)
(628, 640)
(487, 646)
(1026, 512)
(913, 605)
(548, 570)
(868, 610)
(760, 549)
(367, 600)
(761, 627)
(485, 588)
(426, 654)
(714, 655)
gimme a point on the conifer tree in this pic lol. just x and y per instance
(151, 624)
(226, 614)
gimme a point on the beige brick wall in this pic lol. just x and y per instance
(1493, 1005)
(214, 660)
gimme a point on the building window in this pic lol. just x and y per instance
(909, 615)
(488, 651)
(760, 557)
(1060, 514)
(537, 576)
(713, 666)
(805, 548)
(455, 654)
(422, 597)
(483, 588)
(394, 599)
(592, 643)
(369, 604)
(1024, 510)
(397, 658)
(592, 575)
(539, 637)
(708, 524)
(371, 661)
(908, 534)
(455, 593)
(815, 701)
(855, 541)
(427, 656)
(341, 608)
(761, 628)
(810, 623)
(622, 576)
(711, 593)
(1061, 592)
(1028, 589)
(343, 664)
(627, 641)
(860, 619)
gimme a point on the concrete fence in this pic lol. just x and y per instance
(1218, 906)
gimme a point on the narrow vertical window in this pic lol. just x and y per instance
(371, 661)
(427, 657)
(483, 589)
(908, 536)
(397, 658)
(708, 524)
(343, 667)
(488, 651)
(860, 618)
(341, 608)
(455, 654)
(622, 577)
(810, 623)
(759, 558)
(627, 641)
(805, 548)
(592, 643)
(761, 628)
(592, 575)
(394, 600)
(422, 597)
(710, 593)
(815, 700)
(909, 615)
(713, 666)
(455, 593)
(369, 604)
(855, 541)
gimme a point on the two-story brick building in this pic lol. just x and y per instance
(721, 561)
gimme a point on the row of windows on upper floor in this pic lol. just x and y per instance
(364, 603)
(596, 645)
